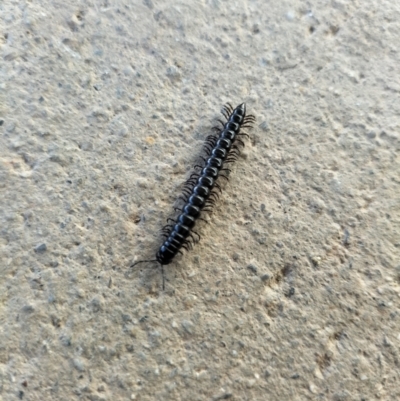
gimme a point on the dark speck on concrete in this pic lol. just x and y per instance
(252, 268)
(265, 277)
(42, 248)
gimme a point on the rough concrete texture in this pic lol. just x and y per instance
(293, 293)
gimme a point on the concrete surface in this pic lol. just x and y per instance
(293, 291)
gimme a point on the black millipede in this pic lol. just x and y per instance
(198, 194)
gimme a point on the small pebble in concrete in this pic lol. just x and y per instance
(42, 248)
(252, 268)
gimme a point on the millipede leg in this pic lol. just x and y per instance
(189, 185)
(240, 141)
(163, 277)
(186, 191)
(190, 181)
(214, 194)
(234, 151)
(194, 232)
(189, 241)
(188, 244)
(225, 113)
(230, 107)
(208, 148)
(218, 186)
(212, 139)
(234, 155)
(209, 143)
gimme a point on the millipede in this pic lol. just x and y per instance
(199, 194)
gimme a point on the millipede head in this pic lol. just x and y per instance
(164, 256)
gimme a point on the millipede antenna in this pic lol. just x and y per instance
(152, 260)
(143, 261)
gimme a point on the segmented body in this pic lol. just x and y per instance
(199, 195)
